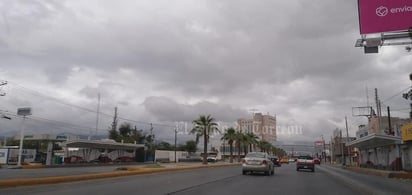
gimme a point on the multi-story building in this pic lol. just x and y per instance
(263, 126)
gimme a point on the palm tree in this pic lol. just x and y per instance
(230, 137)
(240, 140)
(251, 139)
(264, 146)
(205, 125)
(199, 133)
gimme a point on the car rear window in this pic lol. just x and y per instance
(255, 155)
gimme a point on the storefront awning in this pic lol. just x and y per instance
(102, 145)
(373, 141)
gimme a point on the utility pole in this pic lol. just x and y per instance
(377, 101)
(389, 121)
(98, 112)
(152, 152)
(347, 141)
(331, 149)
(409, 96)
(341, 148)
(324, 149)
(175, 144)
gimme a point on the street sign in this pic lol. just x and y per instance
(377, 16)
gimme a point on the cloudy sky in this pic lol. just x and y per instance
(162, 61)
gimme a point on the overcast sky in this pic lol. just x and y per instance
(161, 61)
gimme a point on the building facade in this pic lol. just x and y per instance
(263, 126)
(380, 145)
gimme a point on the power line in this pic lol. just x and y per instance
(39, 94)
(387, 99)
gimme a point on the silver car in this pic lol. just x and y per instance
(257, 162)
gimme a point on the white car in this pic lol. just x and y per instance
(257, 162)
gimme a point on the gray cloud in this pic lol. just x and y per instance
(166, 109)
(171, 62)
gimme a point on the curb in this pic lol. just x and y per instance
(32, 166)
(129, 171)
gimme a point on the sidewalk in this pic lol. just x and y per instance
(21, 177)
(377, 172)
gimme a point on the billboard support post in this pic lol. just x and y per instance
(22, 112)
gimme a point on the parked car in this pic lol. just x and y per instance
(102, 159)
(257, 162)
(275, 160)
(211, 158)
(125, 159)
(74, 159)
(305, 162)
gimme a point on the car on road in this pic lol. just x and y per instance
(284, 160)
(275, 160)
(257, 162)
(305, 162)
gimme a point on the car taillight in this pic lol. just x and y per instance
(244, 161)
(264, 162)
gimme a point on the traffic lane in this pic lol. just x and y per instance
(285, 181)
(371, 183)
(157, 183)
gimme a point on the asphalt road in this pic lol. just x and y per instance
(222, 180)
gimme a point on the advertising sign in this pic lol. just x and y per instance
(319, 143)
(407, 132)
(28, 156)
(23, 111)
(3, 156)
(376, 16)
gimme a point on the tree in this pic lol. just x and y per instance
(191, 146)
(204, 126)
(252, 139)
(113, 134)
(240, 140)
(164, 146)
(230, 137)
(128, 135)
(198, 132)
(264, 146)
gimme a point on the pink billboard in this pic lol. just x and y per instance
(376, 16)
